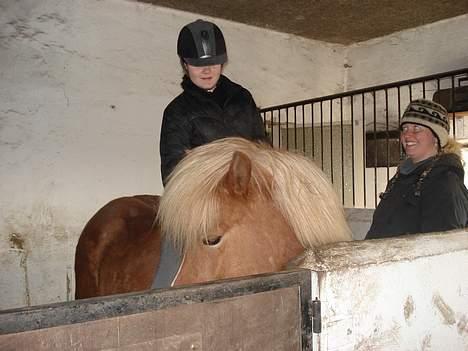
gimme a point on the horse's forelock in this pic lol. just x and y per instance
(192, 202)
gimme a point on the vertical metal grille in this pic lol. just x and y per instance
(353, 136)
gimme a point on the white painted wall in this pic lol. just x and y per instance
(83, 85)
(405, 293)
(82, 88)
(434, 48)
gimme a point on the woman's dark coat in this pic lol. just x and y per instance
(197, 117)
(421, 202)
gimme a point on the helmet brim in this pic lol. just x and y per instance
(206, 61)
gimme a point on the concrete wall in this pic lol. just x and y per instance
(405, 293)
(429, 49)
(82, 88)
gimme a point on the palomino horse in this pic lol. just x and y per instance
(232, 208)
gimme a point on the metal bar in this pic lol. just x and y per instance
(303, 130)
(387, 138)
(364, 141)
(342, 153)
(352, 149)
(272, 129)
(370, 89)
(321, 132)
(452, 100)
(287, 129)
(279, 127)
(374, 111)
(331, 141)
(313, 130)
(399, 117)
(295, 127)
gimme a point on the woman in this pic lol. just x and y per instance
(427, 193)
(211, 106)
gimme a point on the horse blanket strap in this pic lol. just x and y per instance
(168, 266)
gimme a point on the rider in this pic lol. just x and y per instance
(211, 106)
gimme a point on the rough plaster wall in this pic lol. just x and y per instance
(280, 68)
(407, 293)
(434, 48)
(77, 128)
(82, 88)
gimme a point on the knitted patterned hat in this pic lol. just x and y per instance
(429, 114)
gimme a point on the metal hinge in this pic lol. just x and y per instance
(316, 313)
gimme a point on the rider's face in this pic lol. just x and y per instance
(204, 77)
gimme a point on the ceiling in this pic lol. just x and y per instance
(334, 21)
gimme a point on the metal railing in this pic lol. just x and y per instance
(353, 136)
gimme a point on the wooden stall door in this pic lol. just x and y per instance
(267, 312)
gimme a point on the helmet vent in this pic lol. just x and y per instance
(205, 41)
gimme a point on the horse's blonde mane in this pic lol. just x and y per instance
(191, 203)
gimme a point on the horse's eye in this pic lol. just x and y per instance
(212, 241)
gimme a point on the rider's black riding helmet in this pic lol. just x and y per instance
(201, 43)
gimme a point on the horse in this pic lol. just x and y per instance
(231, 207)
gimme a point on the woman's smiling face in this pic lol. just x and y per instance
(418, 141)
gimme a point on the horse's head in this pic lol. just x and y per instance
(237, 208)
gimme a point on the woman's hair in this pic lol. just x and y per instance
(452, 147)
(184, 68)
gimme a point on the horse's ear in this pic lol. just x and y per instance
(237, 179)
